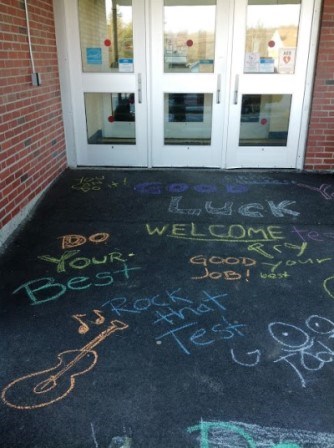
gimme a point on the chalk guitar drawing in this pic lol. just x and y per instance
(43, 388)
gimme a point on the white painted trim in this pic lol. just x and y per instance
(62, 39)
(311, 66)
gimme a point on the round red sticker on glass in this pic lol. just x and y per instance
(107, 42)
(271, 43)
(190, 43)
(111, 118)
(264, 121)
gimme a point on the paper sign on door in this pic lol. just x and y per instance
(286, 60)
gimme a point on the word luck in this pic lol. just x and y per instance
(253, 210)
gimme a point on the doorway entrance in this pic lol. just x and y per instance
(190, 83)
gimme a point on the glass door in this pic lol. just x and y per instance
(189, 42)
(110, 98)
(271, 45)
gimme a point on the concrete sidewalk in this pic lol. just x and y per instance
(169, 309)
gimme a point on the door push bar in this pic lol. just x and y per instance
(236, 89)
(140, 95)
(218, 88)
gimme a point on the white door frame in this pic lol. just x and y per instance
(69, 61)
(253, 83)
(164, 155)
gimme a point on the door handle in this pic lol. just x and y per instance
(139, 85)
(236, 89)
(218, 88)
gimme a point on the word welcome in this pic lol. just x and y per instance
(218, 232)
(46, 289)
(253, 210)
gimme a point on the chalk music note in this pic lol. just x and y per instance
(84, 328)
(43, 388)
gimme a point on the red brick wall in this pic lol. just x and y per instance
(320, 145)
(32, 146)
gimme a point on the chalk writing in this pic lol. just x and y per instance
(157, 188)
(46, 289)
(70, 241)
(86, 184)
(233, 233)
(277, 248)
(312, 235)
(253, 210)
(288, 263)
(305, 351)
(94, 436)
(46, 387)
(261, 180)
(182, 317)
(115, 184)
(329, 286)
(287, 249)
(276, 276)
(96, 183)
(231, 275)
(79, 263)
(241, 186)
(324, 190)
(236, 434)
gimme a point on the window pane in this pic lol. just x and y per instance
(189, 36)
(110, 118)
(106, 36)
(265, 120)
(188, 118)
(272, 33)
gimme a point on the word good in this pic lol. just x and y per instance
(324, 190)
(216, 261)
(46, 289)
(253, 210)
(218, 232)
(237, 434)
(70, 241)
(80, 263)
(41, 389)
